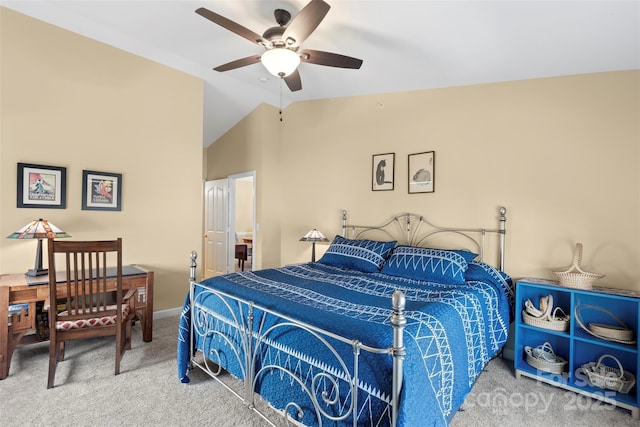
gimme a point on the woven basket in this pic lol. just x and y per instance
(573, 276)
(618, 333)
(604, 376)
(543, 358)
(549, 317)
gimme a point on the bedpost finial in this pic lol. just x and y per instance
(398, 300)
(193, 266)
(344, 223)
(503, 210)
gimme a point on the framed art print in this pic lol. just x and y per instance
(422, 172)
(101, 191)
(41, 186)
(382, 171)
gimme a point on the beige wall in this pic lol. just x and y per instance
(561, 154)
(70, 101)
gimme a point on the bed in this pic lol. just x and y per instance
(384, 330)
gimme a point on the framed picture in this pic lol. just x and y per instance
(101, 191)
(382, 174)
(422, 172)
(42, 186)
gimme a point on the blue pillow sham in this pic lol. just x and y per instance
(363, 255)
(433, 265)
(467, 255)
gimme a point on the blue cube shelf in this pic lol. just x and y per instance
(577, 346)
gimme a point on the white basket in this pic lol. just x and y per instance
(604, 376)
(547, 317)
(618, 333)
(543, 358)
(573, 276)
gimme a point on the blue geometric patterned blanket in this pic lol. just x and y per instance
(452, 331)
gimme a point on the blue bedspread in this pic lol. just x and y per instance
(452, 331)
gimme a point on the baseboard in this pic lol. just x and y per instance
(171, 312)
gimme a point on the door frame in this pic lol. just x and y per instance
(231, 238)
(230, 225)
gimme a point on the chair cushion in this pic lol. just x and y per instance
(93, 322)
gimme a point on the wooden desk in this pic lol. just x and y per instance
(19, 289)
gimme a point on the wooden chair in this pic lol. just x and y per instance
(93, 302)
(241, 255)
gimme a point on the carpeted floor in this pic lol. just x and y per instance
(147, 392)
(498, 399)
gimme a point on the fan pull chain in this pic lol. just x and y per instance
(280, 112)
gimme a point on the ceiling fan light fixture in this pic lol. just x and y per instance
(280, 61)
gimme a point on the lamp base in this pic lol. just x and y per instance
(36, 273)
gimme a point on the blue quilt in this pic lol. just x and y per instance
(452, 331)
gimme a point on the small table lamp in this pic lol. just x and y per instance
(40, 229)
(313, 236)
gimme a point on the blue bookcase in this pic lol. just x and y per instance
(575, 345)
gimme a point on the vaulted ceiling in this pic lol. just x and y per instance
(405, 45)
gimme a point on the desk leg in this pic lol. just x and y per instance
(147, 321)
(5, 359)
(11, 336)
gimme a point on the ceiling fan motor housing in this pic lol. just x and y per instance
(282, 17)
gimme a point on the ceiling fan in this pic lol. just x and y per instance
(282, 43)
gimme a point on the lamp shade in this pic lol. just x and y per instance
(280, 61)
(40, 229)
(314, 236)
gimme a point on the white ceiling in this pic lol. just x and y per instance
(405, 45)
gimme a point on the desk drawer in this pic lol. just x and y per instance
(26, 295)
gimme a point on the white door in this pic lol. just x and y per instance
(216, 218)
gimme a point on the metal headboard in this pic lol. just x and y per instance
(415, 230)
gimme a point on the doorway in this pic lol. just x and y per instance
(243, 224)
(230, 228)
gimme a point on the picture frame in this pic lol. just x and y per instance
(101, 191)
(41, 186)
(422, 172)
(383, 172)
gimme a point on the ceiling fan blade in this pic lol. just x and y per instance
(231, 26)
(293, 81)
(330, 59)
(305, 22)
(238, 63)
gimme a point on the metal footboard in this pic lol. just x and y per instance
(241, 326)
